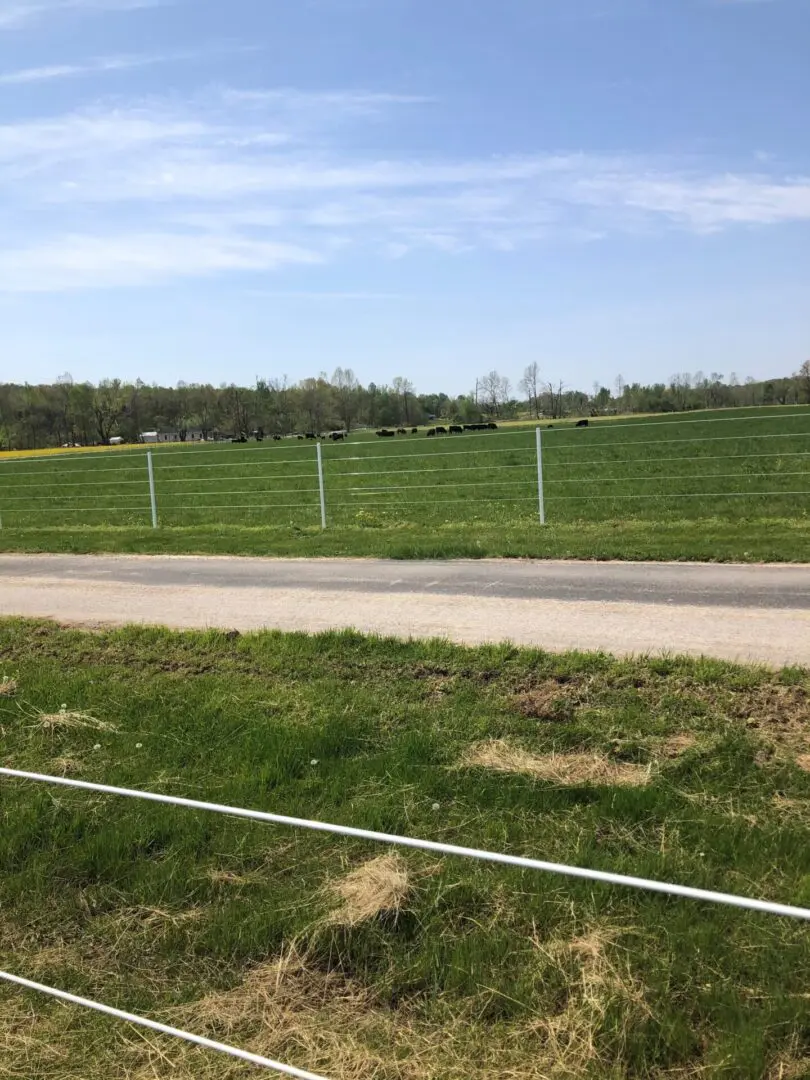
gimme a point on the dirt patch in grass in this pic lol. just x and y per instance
(8, 688)
(552, 699)
(675, 745)
(565, 769)
(379, 886)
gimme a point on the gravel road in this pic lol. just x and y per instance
(759, 613)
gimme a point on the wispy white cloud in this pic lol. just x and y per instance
(291, 98)
(222, 184)
(97, 66)
(19, 13)
(83, 261)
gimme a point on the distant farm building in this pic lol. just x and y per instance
(171, 436)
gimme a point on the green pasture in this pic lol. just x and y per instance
(737, 467)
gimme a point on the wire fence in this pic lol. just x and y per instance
(433, 846)
(606, 471)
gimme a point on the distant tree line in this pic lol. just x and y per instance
(71, 413)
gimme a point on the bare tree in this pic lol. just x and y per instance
(555, 399)
(530, 385)
(346, 396)
(619, 388)
(494, 389)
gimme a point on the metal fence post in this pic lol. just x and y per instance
(540, 494)
(152, 497)
(321, 488)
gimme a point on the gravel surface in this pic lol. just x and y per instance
(754, 613)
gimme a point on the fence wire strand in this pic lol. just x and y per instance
(163, 1029)
(435, 846)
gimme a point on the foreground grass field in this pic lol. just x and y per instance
(665, 482)
(357, 962)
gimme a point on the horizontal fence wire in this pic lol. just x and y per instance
(603, 422)
(79, 472)
(422, 472)
(238, 506)
(221, 464)
(679, 457)
(237, 448)
(253, 491)
(438, 487)
(163, 1029)
(547, 444)
(67, 508)
(436, 506)
(429, 454)
(688, 476)
(58, 496)
(687, 495)
(231, 479)
(521, 862)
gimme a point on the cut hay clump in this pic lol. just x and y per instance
(565, 769)
(8, 687)
(67, 718)
(380, 886)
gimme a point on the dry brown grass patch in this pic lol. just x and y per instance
(566, 769)
(8, 687)
(64, 765)
(379, 886)
(791, 1065)
(598, 978)
(675, 745)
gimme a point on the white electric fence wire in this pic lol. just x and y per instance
(688, 495)
(583, 873)
(393, 472)
(672, 442)
(163, 1029)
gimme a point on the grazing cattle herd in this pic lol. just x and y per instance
(389, 433)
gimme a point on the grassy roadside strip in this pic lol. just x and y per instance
(704, 540)
(354, 961)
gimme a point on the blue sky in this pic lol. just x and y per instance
(204, 190)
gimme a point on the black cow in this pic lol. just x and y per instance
(549, 426)
(401, 431)
(310, 435)
(386, 434)
(337, 436)
(492, 427)
(441, 430)
(455, 429)
(299, 436)
(583, 423)
(431, 432)
(276, 438)
(414, 431)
